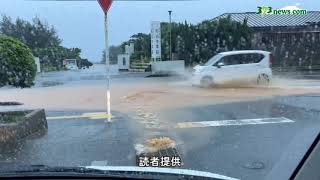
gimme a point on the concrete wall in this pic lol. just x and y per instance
(34, 122)
(174, 67)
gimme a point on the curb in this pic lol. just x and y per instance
(33, 122)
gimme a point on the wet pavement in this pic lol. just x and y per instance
(246, 151)
(151, 107)
(76, 142)
(243, 151)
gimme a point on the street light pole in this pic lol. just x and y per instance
(105, 5)
(170, 43)
(107, 66)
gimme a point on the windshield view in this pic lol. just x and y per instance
(204, 88)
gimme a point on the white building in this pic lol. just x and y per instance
(124, 59)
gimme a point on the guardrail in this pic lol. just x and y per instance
(299, 72)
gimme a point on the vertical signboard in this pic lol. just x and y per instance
(155, 40)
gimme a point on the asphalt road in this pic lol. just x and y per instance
(75, 142)
(247, 151)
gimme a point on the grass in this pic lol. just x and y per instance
(12, 117)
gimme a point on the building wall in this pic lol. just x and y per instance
(297, 47)
(124, 61)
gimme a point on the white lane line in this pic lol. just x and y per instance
(239, 122)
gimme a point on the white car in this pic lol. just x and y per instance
(246, 66)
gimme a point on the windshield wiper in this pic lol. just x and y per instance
(43, 170)
(112, 172)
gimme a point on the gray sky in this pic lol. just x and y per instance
(80, 24)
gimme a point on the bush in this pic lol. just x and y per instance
(17, 66)
(84, 63)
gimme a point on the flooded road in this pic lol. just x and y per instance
(239, 126)
(135, 89)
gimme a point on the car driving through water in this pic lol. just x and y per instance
(246, 66)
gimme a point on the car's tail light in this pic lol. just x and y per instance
(270, 60)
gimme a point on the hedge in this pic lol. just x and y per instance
(17, 66)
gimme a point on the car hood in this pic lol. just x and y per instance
(172, 171)
(200, 69)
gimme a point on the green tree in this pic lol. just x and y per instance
(35, 35)
(17, 64)
(42, 39)
(84, 63)
(196, 43)
(142, 46)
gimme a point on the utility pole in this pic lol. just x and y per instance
(170, 36)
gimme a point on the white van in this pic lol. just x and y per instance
(246, 66)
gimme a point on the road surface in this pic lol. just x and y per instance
(235, 131)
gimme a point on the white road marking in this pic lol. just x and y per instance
(95, 115)
(239, 122)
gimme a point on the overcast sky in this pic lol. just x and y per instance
(80, 24)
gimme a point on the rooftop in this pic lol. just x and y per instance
(256, 20)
